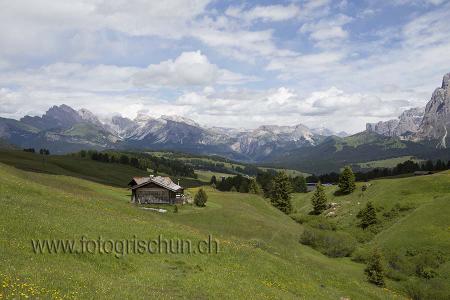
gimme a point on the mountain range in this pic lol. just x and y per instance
(63, 129)
(417, 131)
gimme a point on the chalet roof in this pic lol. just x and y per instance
(164, 182)
(140, 180)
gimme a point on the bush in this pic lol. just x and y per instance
(423, 290)
(374, 269)
(361, 255)
(321, 222)
(299, 218)
(330, 243)
(200, 198)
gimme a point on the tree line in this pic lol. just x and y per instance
(262, 184)
(42, 151)
(142, 161)
(406, 167)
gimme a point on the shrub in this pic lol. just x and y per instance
(321, 222)
(374, 269)
(299, 218)
(361, 255)
(330, 243)
(200, 198)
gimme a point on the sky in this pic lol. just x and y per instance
(322, 63)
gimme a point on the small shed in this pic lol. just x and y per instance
(155, 190)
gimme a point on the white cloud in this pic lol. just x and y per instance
(327, 32)
(273, 13)
(190, 68)
(418, 2)
(25, 25)
(60, 52)
(330, 107)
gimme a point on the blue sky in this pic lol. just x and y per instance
(337, 64)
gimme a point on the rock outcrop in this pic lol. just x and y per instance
(407, 124)
(436, 121)
(417, 124)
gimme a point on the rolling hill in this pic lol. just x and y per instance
(259, 257)
(413, 230)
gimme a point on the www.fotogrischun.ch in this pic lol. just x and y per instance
(122, 247)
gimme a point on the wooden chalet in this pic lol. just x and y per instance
(155, 190)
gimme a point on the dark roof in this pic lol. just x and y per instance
(164, 182)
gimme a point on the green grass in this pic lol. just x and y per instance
(108, 173)
(387, 163)
(259, 258)
(289, 172)
(205, 176)
(112, 174)
(413, 214)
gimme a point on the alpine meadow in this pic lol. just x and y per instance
(198, 149)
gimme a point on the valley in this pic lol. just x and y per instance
(260, 253)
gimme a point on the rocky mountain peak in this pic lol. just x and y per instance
(57, 117)
(445, 81)
(180, 119)
(436, 120)
(89, 117)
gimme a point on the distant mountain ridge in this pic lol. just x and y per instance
(431, 123)
(63, 129)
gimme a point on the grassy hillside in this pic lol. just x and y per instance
(205, 176)
(334, 152)
(259, 255)
(228, 166)
(112, 174)
(413, 231)
(387, 163)
(4, 145)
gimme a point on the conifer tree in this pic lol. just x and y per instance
(253, 187)
(213, 180)
(280, 193)
(319, 199)
(374, 269)
(368, 216)
(200, 198)
(299, 184)
(347, 181)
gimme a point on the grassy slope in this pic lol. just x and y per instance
(387, 163)
(112, 174)
(228, 165)
(425, 226)
(205, 176)
(260, 255)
